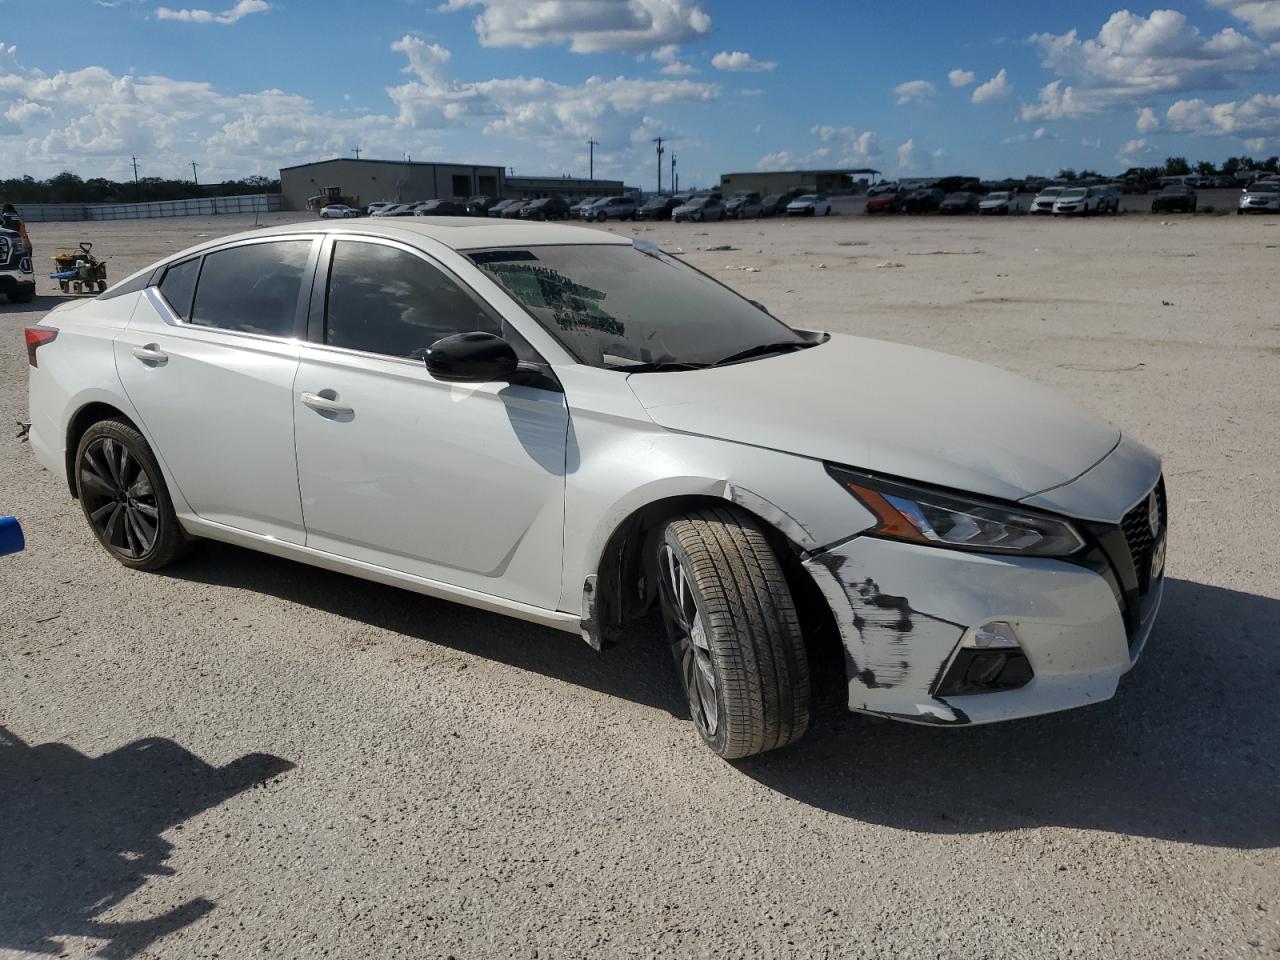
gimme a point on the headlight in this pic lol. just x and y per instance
(933, 518)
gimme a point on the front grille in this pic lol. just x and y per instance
(1141, 538)
(4, 250)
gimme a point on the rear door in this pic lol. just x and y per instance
(462, 484)
(208, 361)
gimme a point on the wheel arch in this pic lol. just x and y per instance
(623, 587)
(86, 416)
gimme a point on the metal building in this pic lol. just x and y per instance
(364, 181)
(530, 188)
(765, 182)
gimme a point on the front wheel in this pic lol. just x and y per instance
(734, 633)
(124, 497)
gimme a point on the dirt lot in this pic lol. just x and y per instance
(248, 757)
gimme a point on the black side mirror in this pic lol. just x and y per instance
(474, 357)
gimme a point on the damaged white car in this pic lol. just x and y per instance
(561, 425)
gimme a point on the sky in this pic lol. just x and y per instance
(991, 89)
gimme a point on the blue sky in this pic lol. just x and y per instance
(997, 88)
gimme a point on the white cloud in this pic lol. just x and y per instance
(242, 9)
(1260, 114)
(1262, 16)
(1133, 150)
(914, 91)
(673, 66)
(997, 88)
(961, 78)
(1136, 57)
(751, 92)
(1147, 120)
(587, 26)
(1256, 144)
(782, 160)
(851, 147)
(906, 155)
(1040, 133)
(740, 61)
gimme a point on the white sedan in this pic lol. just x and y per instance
(338, 211)
(809, 205)
(998, 203)
(569, 427)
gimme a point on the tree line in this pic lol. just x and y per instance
(1179, 167)
(67, 187)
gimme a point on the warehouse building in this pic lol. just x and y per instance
(765, 182)
(362, 182)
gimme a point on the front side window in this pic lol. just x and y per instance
(388, 301)
(252, 288)
(179, 286)
(616, 306)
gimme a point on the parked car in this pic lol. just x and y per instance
(1000, 202)
(809, 205)
(1108, 197)
(17, 279)
(961, 201)
(883, 187)
(393, 209)
(374, 208)
(699, 209)
(338, 211)
(1080, 201)
(479, 206)
(545, 208)
(885, 201)
(982, 549)
(579, 209)
(658, 208)
(924, 200)
(743, 205)
(512, 211)
(497, 209)
(775, 204)
(442, 208)
(1260, 197)
(1174, 197)
(1045, 199)
(612, 208)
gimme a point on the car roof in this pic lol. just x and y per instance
(458, 233)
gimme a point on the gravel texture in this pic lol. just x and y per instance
(249, 757)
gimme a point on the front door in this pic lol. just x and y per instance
(462, 484)
(208, 361)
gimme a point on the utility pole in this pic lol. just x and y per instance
(591, 145)
(357, 149)
(137, 187)
(675, 178)
(658, 141)
(194, 178)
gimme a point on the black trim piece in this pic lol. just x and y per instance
(985, 671)
(136, 285)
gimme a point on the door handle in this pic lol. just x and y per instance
(327, 404)
(151, 354)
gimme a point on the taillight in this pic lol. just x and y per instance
(37, 337)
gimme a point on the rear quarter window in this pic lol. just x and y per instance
(179, 286)
(252, 288)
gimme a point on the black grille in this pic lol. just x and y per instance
(1140, 537)
(4, 250)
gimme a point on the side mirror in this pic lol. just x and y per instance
(474, 357)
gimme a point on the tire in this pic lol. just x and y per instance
(142, 531)
(22, 295)
(734, 632)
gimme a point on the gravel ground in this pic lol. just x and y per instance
(244, 756)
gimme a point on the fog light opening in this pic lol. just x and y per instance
(990, 659)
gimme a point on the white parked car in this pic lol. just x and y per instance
(809, 205)
(1045, 199)
(338, 211)
(1000, 202)
(1260, 197)
(1077, 200)
(568, 427)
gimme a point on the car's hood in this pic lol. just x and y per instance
(892, 409)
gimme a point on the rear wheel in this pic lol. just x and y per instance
(124, 497)
(734, 633)
(22, 295)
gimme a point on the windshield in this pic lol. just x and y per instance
(807, 198)
(1072, 194)
(1265, 188)
(997, 196)
(1050, 191)
(612, 305)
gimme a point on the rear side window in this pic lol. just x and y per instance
(179, 285)
(385, 300)
(253, 288)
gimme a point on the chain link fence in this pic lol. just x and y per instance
(200, 207)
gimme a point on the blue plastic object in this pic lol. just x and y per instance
(11, 538)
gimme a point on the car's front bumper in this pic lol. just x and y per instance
(907, 613)
(20, 279)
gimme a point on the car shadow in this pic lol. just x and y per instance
(1186, 751)
(79, 834)
(40, 303)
